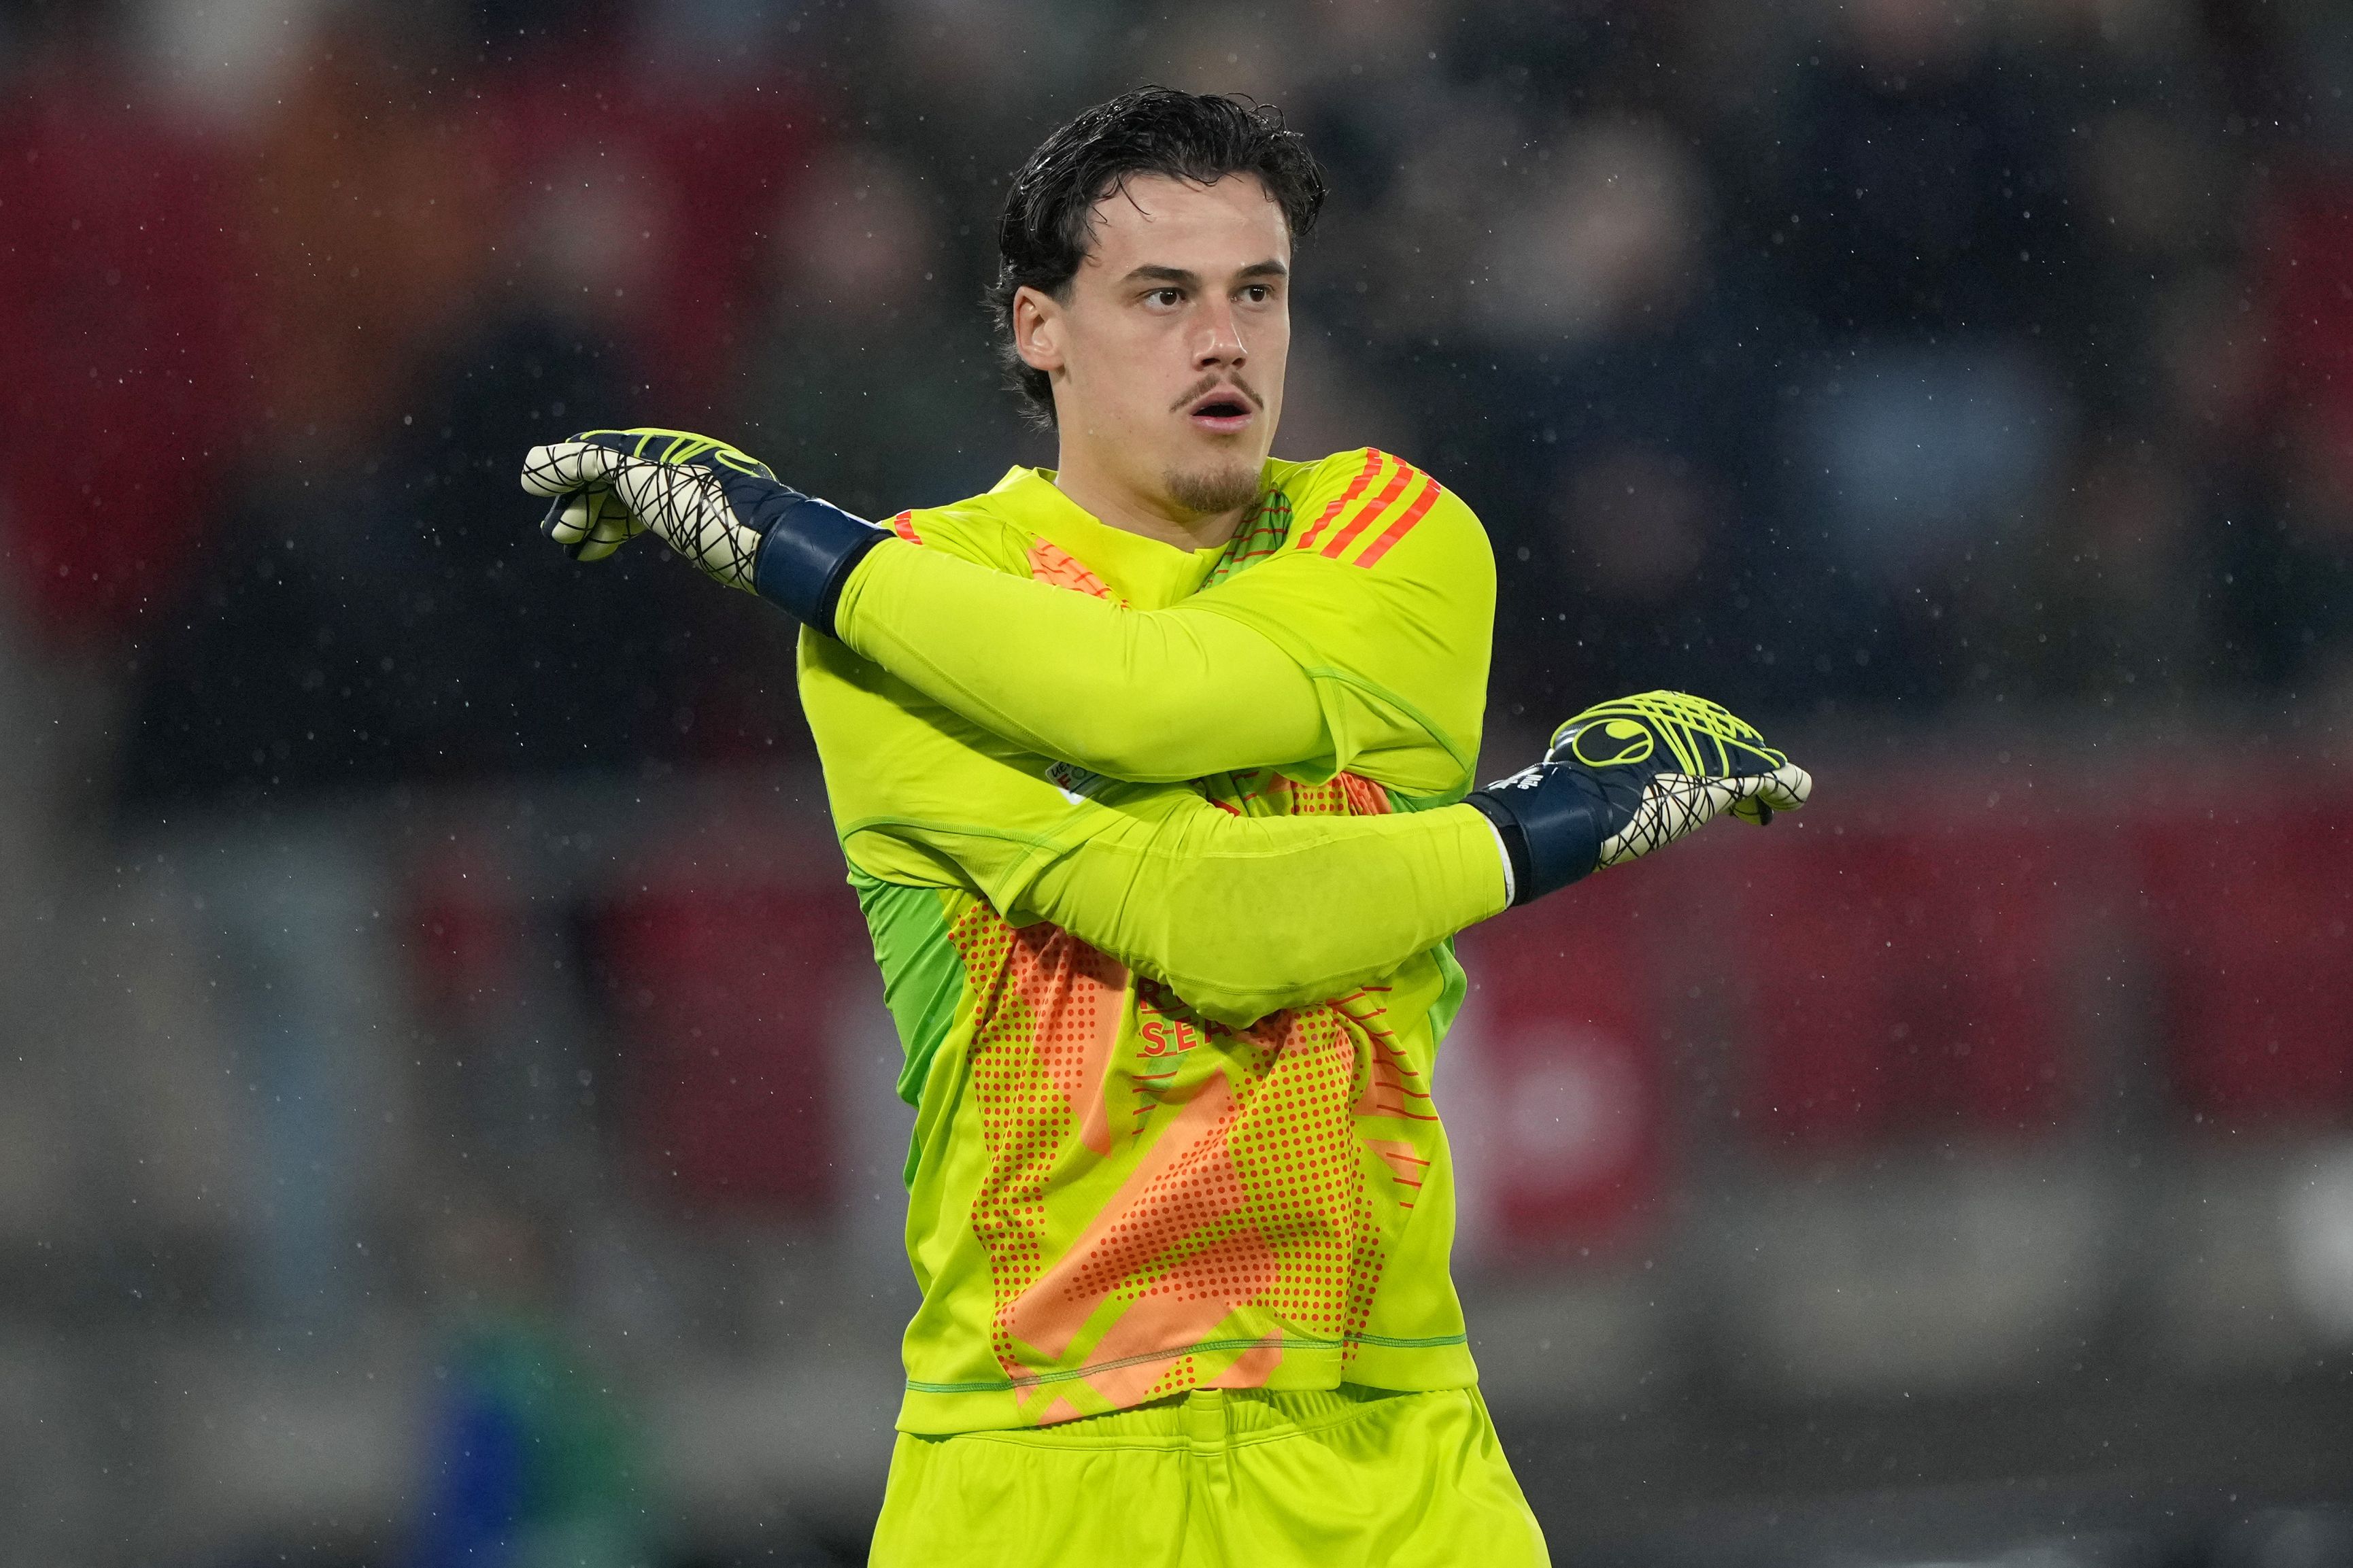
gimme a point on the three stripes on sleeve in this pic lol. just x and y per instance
(1380, 506)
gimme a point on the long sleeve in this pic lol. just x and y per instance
(1147, 695)
(1241, 916)
(1359, 642)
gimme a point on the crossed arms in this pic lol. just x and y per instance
(947, 744)
(936, 751)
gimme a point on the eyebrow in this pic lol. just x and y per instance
(1148, 273)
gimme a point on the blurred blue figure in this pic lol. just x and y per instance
(530, 1461)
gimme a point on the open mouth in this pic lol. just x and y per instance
(1224, 412)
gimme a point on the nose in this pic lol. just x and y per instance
(1219, 346)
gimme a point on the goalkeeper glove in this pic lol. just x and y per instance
(1622, 778)
(719, 507)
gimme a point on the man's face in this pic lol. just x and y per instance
(1168, 354)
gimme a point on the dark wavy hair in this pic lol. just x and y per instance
(1047, 226)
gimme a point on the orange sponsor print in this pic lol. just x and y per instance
(1164, 1024)
(1167, 1037)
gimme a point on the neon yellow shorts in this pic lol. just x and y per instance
(1216, 1479)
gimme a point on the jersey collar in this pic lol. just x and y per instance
(1144, 573)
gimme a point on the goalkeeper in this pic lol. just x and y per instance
(1142, 768)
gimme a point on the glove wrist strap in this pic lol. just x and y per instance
(1513, 838)
(1552, 833)
(806, 554)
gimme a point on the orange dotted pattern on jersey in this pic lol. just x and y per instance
(1193, 1198)
(1382, 1082)
(1181, 1375)
(1043, 997)
(1344, 794)
(1281, 1170)
(1297, 1154)
(1252, 1185)
(1239, 1267)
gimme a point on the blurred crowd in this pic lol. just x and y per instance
(1914, 353)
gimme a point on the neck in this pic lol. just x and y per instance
(1151, 513)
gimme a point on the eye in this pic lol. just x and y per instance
(1164, 299)
(1257, 293)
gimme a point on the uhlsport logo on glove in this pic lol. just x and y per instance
(1624, 777)
(1586, 742)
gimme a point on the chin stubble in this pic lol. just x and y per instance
(1215, 490)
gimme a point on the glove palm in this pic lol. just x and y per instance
(609, 486)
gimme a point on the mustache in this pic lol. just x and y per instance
(1210, 383)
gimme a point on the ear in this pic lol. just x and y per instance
(1037, 328)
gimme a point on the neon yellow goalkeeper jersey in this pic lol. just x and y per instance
(1117, 1191)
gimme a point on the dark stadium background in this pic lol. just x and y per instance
(438, 1059)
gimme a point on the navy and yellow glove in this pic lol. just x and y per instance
(718, 506)
(1622, 778)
